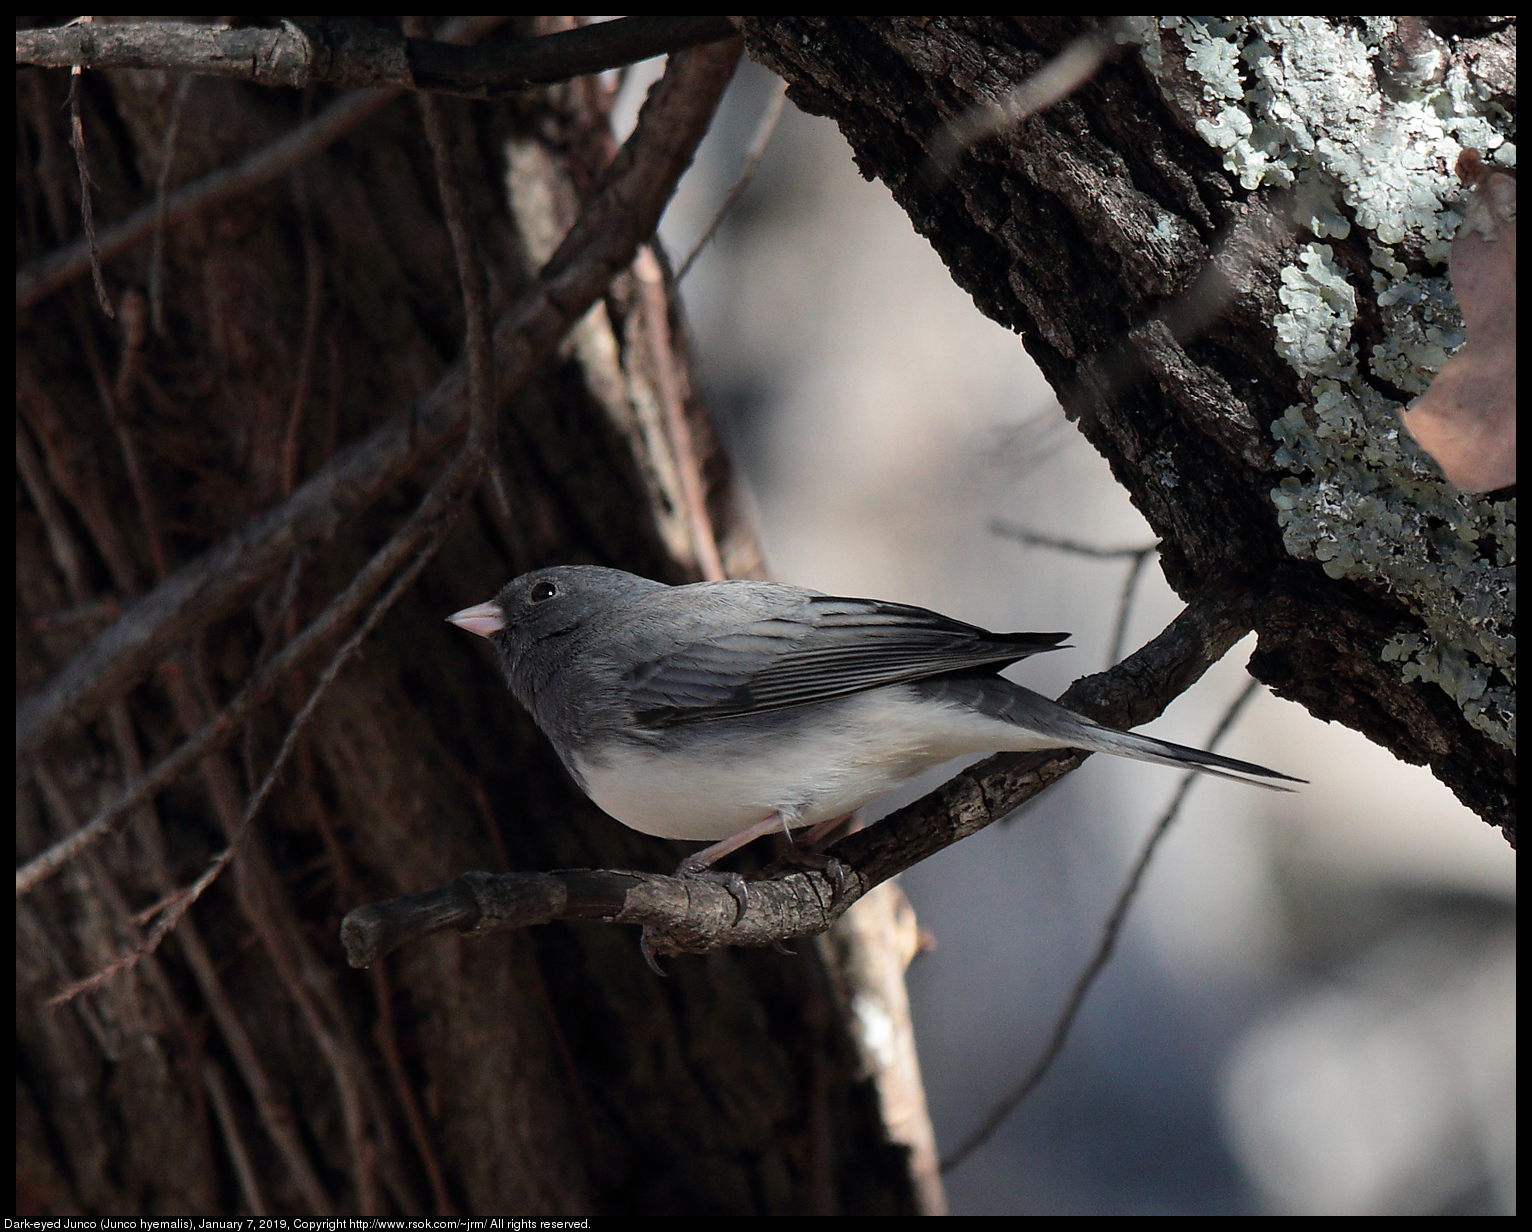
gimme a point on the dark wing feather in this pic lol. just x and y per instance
(826, 647)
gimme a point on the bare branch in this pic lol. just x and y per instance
(754, 152)
(239, 1155)
(1125, 604)
(470, 271)
(87, 217)
(651, 282)
(1059, 78)
(692, 916)
(357, 54)
(161, 191)
(1032, 538)
(1139, 556)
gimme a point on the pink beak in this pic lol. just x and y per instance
(486, 619)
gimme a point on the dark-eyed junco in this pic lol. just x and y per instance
(721, 711)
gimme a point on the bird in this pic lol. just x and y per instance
(719, 712)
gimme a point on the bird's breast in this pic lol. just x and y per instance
(708, 780)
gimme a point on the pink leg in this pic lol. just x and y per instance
(711, 855)
(824, 829)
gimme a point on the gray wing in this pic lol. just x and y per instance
(812, 649)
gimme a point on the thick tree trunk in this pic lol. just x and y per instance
(1235, 319)
(243, 1067)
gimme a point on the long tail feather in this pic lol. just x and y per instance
(1043, 723)
(1147, 748)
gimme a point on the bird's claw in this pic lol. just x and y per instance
(732, 882)
(646, 948)
(815, 861)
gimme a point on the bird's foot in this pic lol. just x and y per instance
(697, 870)
(813, 861)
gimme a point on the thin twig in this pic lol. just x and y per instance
(313, 262)
(470, 272)
(87, 216)
(1032, 538)
(1125, 604)
(753, 155)
(60, 543)
(656, 319)
(1109, 934)
(386, 1038)
(1060, 77)
(117, 403)
(1139, 556)
(283, 623)
(157, 253)
(239, 1156)
(93, 612)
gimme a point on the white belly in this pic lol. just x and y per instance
(715, 779)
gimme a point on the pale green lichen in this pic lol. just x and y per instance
(1294, 102)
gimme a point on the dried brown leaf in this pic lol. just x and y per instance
(1467, 419)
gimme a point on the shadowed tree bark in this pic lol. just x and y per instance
(243, 1067)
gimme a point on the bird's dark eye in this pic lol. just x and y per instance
(544, 591)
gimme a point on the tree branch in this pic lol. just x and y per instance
(689, 915)
(359, 55)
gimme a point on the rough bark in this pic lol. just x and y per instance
(244, 1068)
(1100, 229)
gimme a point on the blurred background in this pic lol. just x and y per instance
(1311, 1009)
